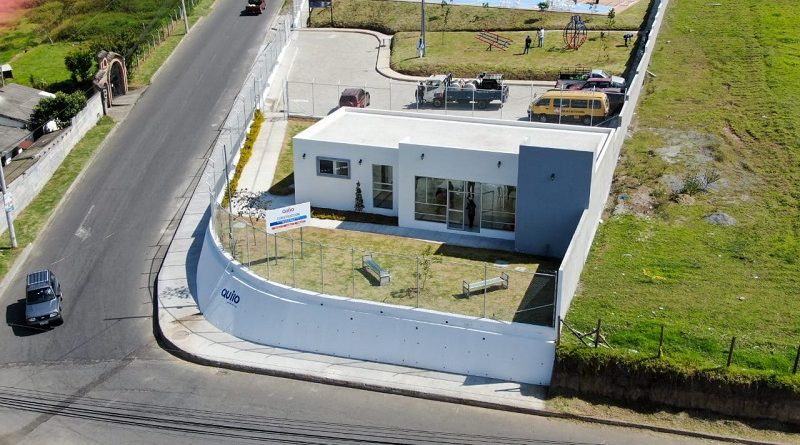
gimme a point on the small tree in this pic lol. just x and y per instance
(80, 65)
(61, 108)
(543, 6)
(427, 260)
(359, 207)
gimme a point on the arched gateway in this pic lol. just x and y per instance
(112, 76)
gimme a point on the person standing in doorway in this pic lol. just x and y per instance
(527, 44)
(541, 37)
(471, 212)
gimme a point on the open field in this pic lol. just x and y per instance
(465, 56)
(390, 17)
(716, 139)
(331, 262)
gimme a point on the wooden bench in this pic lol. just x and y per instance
(502, 280)
(367, 263)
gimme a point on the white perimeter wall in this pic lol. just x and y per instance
(572, 265)
(271, 314)
(26, 187)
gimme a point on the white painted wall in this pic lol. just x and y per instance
(26, 187)
(340, 193)
(272, 314)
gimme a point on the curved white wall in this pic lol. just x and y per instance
(272, 314)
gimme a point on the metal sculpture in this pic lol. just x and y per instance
(575, 33)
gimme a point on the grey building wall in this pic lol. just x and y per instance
(553, 188)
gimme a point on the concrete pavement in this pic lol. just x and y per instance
(182, 326)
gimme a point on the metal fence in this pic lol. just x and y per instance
(426, 281)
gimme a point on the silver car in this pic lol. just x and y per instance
(42, 298)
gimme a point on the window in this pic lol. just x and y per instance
(382, 186)
(580, 103)
(430, 199)
(339, 168)
(543, 103)
(498, 206)
(561, 103)
(597, 105)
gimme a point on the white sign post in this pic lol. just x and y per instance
(286, 218)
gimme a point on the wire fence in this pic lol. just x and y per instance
(435, 282)
(659, 341)
(159, 30)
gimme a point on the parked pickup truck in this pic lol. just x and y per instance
(439, 89)
(567, 78)
(255, 7)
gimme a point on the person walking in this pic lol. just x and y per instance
(528, 44)
(421, 47)
(541, 37)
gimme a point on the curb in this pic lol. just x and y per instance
(392, 74)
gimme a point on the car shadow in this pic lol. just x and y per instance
(15, 318)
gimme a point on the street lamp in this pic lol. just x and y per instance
(422, 28)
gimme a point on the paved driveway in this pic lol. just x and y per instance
(328, 62)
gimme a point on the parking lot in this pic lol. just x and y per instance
(320, 71)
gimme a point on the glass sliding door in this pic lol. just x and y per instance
(455, 205)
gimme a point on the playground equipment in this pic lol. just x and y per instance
(575, 33)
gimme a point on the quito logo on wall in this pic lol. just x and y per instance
(230, 295)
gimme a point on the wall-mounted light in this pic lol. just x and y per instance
(499, 163)
(552, 176)
(304, 155)
(359, 161)
(422, 156)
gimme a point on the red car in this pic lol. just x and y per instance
(255, 7)
(354, 97)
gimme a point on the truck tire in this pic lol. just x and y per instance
(482, 104)
(587, 120)
(437, 103)
(543, 118)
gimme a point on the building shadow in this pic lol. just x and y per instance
(536, 306)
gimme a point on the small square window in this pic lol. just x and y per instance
(339, 168)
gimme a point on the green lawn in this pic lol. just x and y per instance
(31, 220)
(330, 262)
(394, 16)
(43, 63)
(465, 56)
(722, 104)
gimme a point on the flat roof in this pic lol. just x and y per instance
(389, 128)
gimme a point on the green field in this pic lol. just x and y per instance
(720, 107)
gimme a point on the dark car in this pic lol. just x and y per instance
(42, 298)
(255, 7)
(354, 97)
(598, 84)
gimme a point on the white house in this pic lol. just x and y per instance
(520, 181)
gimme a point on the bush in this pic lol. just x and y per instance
(80, 65)
(61, 108)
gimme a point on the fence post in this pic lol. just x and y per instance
(730, 352)
(796, 360)
(417, 282)
(321, 271)
(313, 108)
(558, 331)
(294, 284)
(661, 341)
(484, 289)
(353, 268)
(597, 334)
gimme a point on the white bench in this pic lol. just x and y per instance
(367, 263)
(502, 281)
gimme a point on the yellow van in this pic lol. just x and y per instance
(586, 106)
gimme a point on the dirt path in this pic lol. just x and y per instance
(10, 10)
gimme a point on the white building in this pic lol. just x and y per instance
(520, 181)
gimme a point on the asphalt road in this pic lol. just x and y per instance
(101, 377)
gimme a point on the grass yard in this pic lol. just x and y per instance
(721, 109)
(43, 63)
(465, 56)
(31, 220)
(283, 181)
(336, 269)
(391, 17)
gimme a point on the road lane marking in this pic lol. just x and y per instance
(84, 231)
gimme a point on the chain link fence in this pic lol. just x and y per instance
(435, 282)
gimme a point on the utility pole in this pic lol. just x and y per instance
(422, 28)
(185, 18)
(7, 204)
